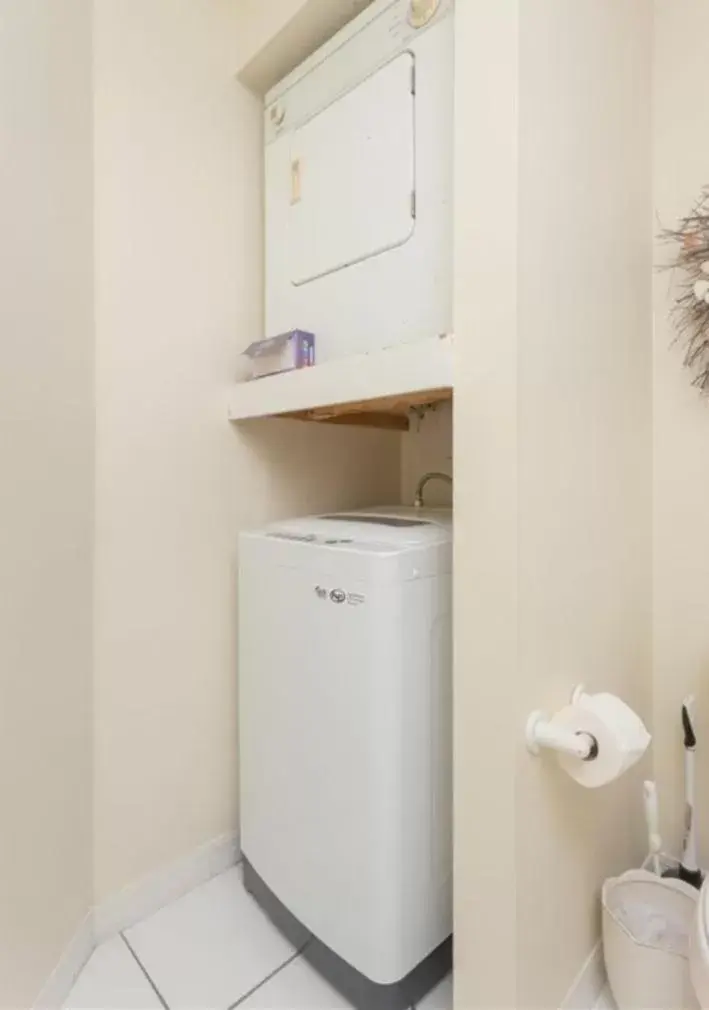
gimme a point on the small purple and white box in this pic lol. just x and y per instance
(284, 353)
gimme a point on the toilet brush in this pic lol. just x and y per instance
(688, 869)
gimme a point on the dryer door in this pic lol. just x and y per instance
(353, 175)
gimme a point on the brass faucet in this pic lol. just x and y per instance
(434, 475)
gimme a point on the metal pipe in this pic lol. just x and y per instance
(433, 475)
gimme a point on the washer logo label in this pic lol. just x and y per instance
(339, 596)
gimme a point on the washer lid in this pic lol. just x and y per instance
(440, 516)
(384, 529)
(397, 522)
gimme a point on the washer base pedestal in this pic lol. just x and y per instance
(360, 991)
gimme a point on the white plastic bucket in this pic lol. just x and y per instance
(646, 926)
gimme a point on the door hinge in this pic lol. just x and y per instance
(413, 204)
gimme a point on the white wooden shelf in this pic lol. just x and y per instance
(377, 389)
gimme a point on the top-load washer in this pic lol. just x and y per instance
(345, 736)
(358, 184)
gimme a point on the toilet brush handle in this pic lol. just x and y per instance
(652, 817)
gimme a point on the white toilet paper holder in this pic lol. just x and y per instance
(542, 733)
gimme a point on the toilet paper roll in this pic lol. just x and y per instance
(621, 736)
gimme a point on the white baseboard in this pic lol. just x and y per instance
(140, 900)
(62, 979)
(588, 986)
(133, 904)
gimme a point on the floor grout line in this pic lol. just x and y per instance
(144, 970)
(247, 995)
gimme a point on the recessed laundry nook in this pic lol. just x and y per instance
(354, 560)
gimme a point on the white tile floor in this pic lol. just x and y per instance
(212, 950)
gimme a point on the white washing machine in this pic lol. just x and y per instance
(345, 735)
(358, 184)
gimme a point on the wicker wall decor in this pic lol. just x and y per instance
(690, 312)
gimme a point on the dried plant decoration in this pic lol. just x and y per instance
(690, 312)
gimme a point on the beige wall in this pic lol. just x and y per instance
(273, 38)
(179, 282)
(584, 449)
(256, 23)
(428, 445)
(485, 670)
(46, 401)
(681, 423)
(553, 470)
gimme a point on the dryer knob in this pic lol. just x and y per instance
(278, 114)
(421, 12)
